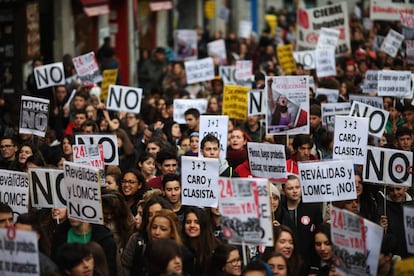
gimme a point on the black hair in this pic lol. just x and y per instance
(302, 139)
(70, 255)
(170, 177)
(209, 138)
(160, 252)
(192, 111)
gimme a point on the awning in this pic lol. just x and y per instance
(157, 5)
(95, 7)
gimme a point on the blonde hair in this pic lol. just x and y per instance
(173, 219)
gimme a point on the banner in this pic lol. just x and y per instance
(216, 125)
(350, 138)
(47, 188)
(199, 70)
(326, 181)
(392, 43)
(390, 10)
(287, 105)
(286, 59)
(182, 105)
(14, 190)
(330, 110)
(124, 98)
(34, 113)
(87, 68)
(199, 178)
(185, 44)
(388, 166)
(19, 253)
(217, 50)
(83, 192)
(377, 117)
(239, 208)
(394, 83)
(256, 102)
(108, 141)
(235, 102)
(267, 160)
(49, 75)
(369, 100)
(311, 21)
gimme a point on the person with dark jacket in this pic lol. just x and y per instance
(72, 231)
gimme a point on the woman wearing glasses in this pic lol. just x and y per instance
(133, 187)
(226, 261)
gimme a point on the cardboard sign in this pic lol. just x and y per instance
(256, 102)
(388, 166)
(47, 188)
(328, 38)
(377, 117)
(185, 44)
(83, 192)
(245, 28)
(182, 105)
(350, 138)
(199, 178)
(409, 227)
(372, 101)
(199, 70)
(394, 83)
(87, 68)
(306, 58)
(228, 75)
(311, 21)
(265, 209)
(244, 69)
(109, 78)
(49, 75)
(325, 63)
(330, 110)
(287, 105)
(389, 10)
(331, 94)
(286, 59)
(349, 242)
(235, 102)
(19, 253)
(34, 114)
(267, 160)
(216, 125)
(108, 141)
(392, 43)
(370, 82)
(14, 190)
(239, 208)
(373, 234)
(124, 98)
(327, 181)
(217, 50)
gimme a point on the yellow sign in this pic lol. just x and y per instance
(286, 59)
(109, 77)
(210, 9)
(404, 267)
(235, 101)
(271, 20)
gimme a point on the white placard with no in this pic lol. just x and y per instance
(34, 114)
(49, 75)
(306, 58)
(124, 98)
(377, 117)
(256, 102)
(47, 188)
(108, 141)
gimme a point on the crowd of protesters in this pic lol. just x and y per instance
(147, 231)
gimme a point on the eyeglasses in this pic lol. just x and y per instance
(130, 182)
(6, 146)
(234, 262)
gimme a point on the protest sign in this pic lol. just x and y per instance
(92, 155)
(83, 192)
(331, 94)
(239, 208)
(217, 50)
(228, 75)
(108, 141)
(311, 21)
(350, 138)
(409, 50)
(404, 267)
(330, 110)
(372, 101)
(373, 234)
(267, 160)
(306, 58)
(14, 190)
(245, 28)
(244, 69)
(235, 102)
(325, 63)
(185, 44)
(124, 98)
(109, 78)
(47, 188)
(377, 117)
(389, 10)
(199, 178)
(328, 38)
(326, 181)
(392, 43)
(407, 19)
(370, 81)
(265, 211)
(216, 125)
(256, 102)
(286, 59)
(287, 105)
(34, 113)
(223, 13)
(388, 166)
(19, 253)
(210, 9)
(409, 227)
(394, 83)
(182, 105)
(349, 242)
(87, 68)
(271, 21)
(49, 75)
(199, 70)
